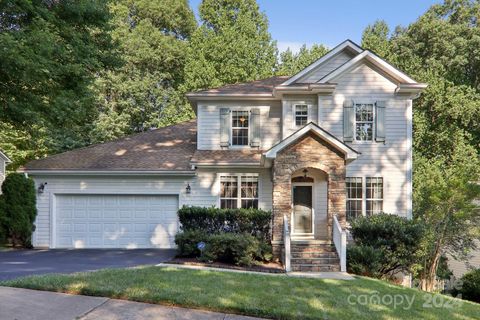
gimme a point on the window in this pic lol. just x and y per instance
(354, 197)
(240, 128)
(374, 194)
(233, 196)
(364, 199)
(364, 121)
(301, 114)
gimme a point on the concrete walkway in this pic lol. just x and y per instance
(315, 275)
(24, 304)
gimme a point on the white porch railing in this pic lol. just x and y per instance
(340, 241)
(286, 242)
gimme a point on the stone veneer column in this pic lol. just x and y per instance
(309, 151)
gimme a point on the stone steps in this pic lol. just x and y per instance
(314, 256)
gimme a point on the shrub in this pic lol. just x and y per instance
(187, 242)
(19, 208)
(470, 289)
(384, 245)
(255, 222)
(238, 248)
(241, 249)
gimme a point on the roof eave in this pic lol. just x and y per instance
(4, 157)
(349, 153)
(194, 97)
(39, 172)
(312, 88)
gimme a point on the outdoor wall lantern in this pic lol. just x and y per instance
(305, 171)
(188, 189)
(41, 187)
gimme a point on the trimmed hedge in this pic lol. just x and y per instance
(211, 220)
(238, 248)
(239, 236)
(384, 245)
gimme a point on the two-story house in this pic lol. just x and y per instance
(318, 148)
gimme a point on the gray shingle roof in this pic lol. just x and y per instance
(264, 86)
(164, 149)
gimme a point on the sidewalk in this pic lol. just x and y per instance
(24, 304)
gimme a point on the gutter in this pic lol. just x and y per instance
(107, 173)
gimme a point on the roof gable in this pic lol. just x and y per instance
(350, 153)
(368, 56)
(347, 45)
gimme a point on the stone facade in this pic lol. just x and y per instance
(308, 151)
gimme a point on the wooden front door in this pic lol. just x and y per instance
(302, 209)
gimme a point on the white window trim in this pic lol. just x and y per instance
(362, 199)
(238, 175)
(374, 199)
(364, 192)
(234, 146)
(374, 111)
(309, 113)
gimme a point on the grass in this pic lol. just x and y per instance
(270, 296)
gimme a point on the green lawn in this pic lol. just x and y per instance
(278, 297)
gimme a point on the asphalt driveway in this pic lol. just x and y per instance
(19, 263)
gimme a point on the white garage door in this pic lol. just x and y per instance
(115, 221)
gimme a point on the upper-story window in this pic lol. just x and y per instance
(364, 120)
(240, 125)
(301, 114)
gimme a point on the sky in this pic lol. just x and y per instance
(297, 22)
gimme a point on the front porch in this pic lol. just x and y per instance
(308, 174)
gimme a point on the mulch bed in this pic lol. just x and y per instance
(269, 267)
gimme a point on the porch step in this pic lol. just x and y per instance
(316, 268)
(316, 261)
(314, 256)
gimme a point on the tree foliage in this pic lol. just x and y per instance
(18, 203)
(231, 45)
(442, 49)
(152, 43)
(50, 52)
(292, 63)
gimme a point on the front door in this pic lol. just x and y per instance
(302, 209)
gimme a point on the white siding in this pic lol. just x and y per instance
(326, 67)
(387, 160)
(204, 186)
(209, 122)
(459, 268)
(288, 103)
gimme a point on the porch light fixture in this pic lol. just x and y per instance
(41, 187)
(188, 189)
(305, 171)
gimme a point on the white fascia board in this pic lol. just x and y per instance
(107, 173)
(377, 61)
(350, 154)
(330, 54)
(4, 157)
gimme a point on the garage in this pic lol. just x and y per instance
(115, 221)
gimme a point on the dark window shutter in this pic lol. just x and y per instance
(224, 127)
(255, 127)
(348, 120)
(380, 121)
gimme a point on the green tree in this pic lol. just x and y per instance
(152, 43)
(49, 54)
(18, 202)
(292, 63)
(441, 48)
(376, 38)
(231, 45)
